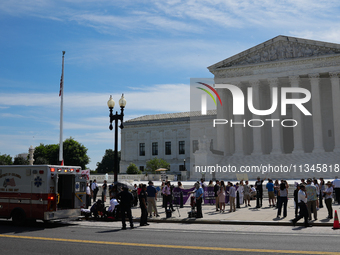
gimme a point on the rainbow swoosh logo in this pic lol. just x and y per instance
(209, 93)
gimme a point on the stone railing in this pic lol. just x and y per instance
(128, 177)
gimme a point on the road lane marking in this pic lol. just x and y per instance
(169, 246)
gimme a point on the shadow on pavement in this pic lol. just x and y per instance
(7, 226)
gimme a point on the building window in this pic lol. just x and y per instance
(181, 147)
(154, 149)
(142, 149)
(194, 146)
(167, 148)
(181, 167)
(141, 168)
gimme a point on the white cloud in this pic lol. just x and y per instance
(165, 97)
(173, 16)
(327, 35)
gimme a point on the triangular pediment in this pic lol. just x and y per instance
(277, 49)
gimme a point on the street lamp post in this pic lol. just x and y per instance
(115, 118)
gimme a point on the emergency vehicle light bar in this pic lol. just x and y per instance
(65, 170)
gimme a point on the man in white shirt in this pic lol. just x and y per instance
(336, 186)
(302, 200)
(88, 196)
(95, 189)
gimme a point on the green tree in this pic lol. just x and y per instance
(46, 154)
(18, 160)
(108, 162)
(41, 161)
(5, 160)
(74, 153)
(153, 164)
(133, 169)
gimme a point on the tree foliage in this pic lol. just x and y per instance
(133, 169)
(153, 164)
(5, 160)
(107, 164)
(74, 153)
(46, 154)
(19, 160)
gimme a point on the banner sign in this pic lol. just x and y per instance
(209, 195)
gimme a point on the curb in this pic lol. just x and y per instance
(231, 222)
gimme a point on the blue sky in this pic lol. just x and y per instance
(147, 50)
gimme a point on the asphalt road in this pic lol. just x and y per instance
(91, 237)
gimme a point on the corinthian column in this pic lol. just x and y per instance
(257, 137)
(336, 109)
(276, 129)
(317, 120)
(297, 131)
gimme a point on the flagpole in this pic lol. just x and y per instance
(61, 94)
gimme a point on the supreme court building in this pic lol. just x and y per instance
(295, 144)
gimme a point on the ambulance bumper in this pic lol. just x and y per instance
(62, 214)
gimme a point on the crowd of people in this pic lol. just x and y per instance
(308, 197)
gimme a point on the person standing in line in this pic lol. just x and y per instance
(88, 196)
(316, 184)
(296, 191)
(152, 198)
(232, 196)
(210, 185)
(126, 200)
(163, 197)
(311, 199)
(336, 186)
(322, 187)
(143, 207)
(270, 188)
(246, 193)
(180, 187)
(221, 196)
(216, 189)
(91, 190)
(104, 187)
(302, 200)
(276, 191)
(167, 196)
(282, 199)
(240, 191)
(199, 197)
(328, 199)
(95, 189)
(259, 189)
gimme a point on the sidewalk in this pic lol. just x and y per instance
(243, 216)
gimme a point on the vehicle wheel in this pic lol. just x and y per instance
(18, 217)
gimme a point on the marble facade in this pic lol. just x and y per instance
(151, 130)
(277, 63)
(282, 62)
